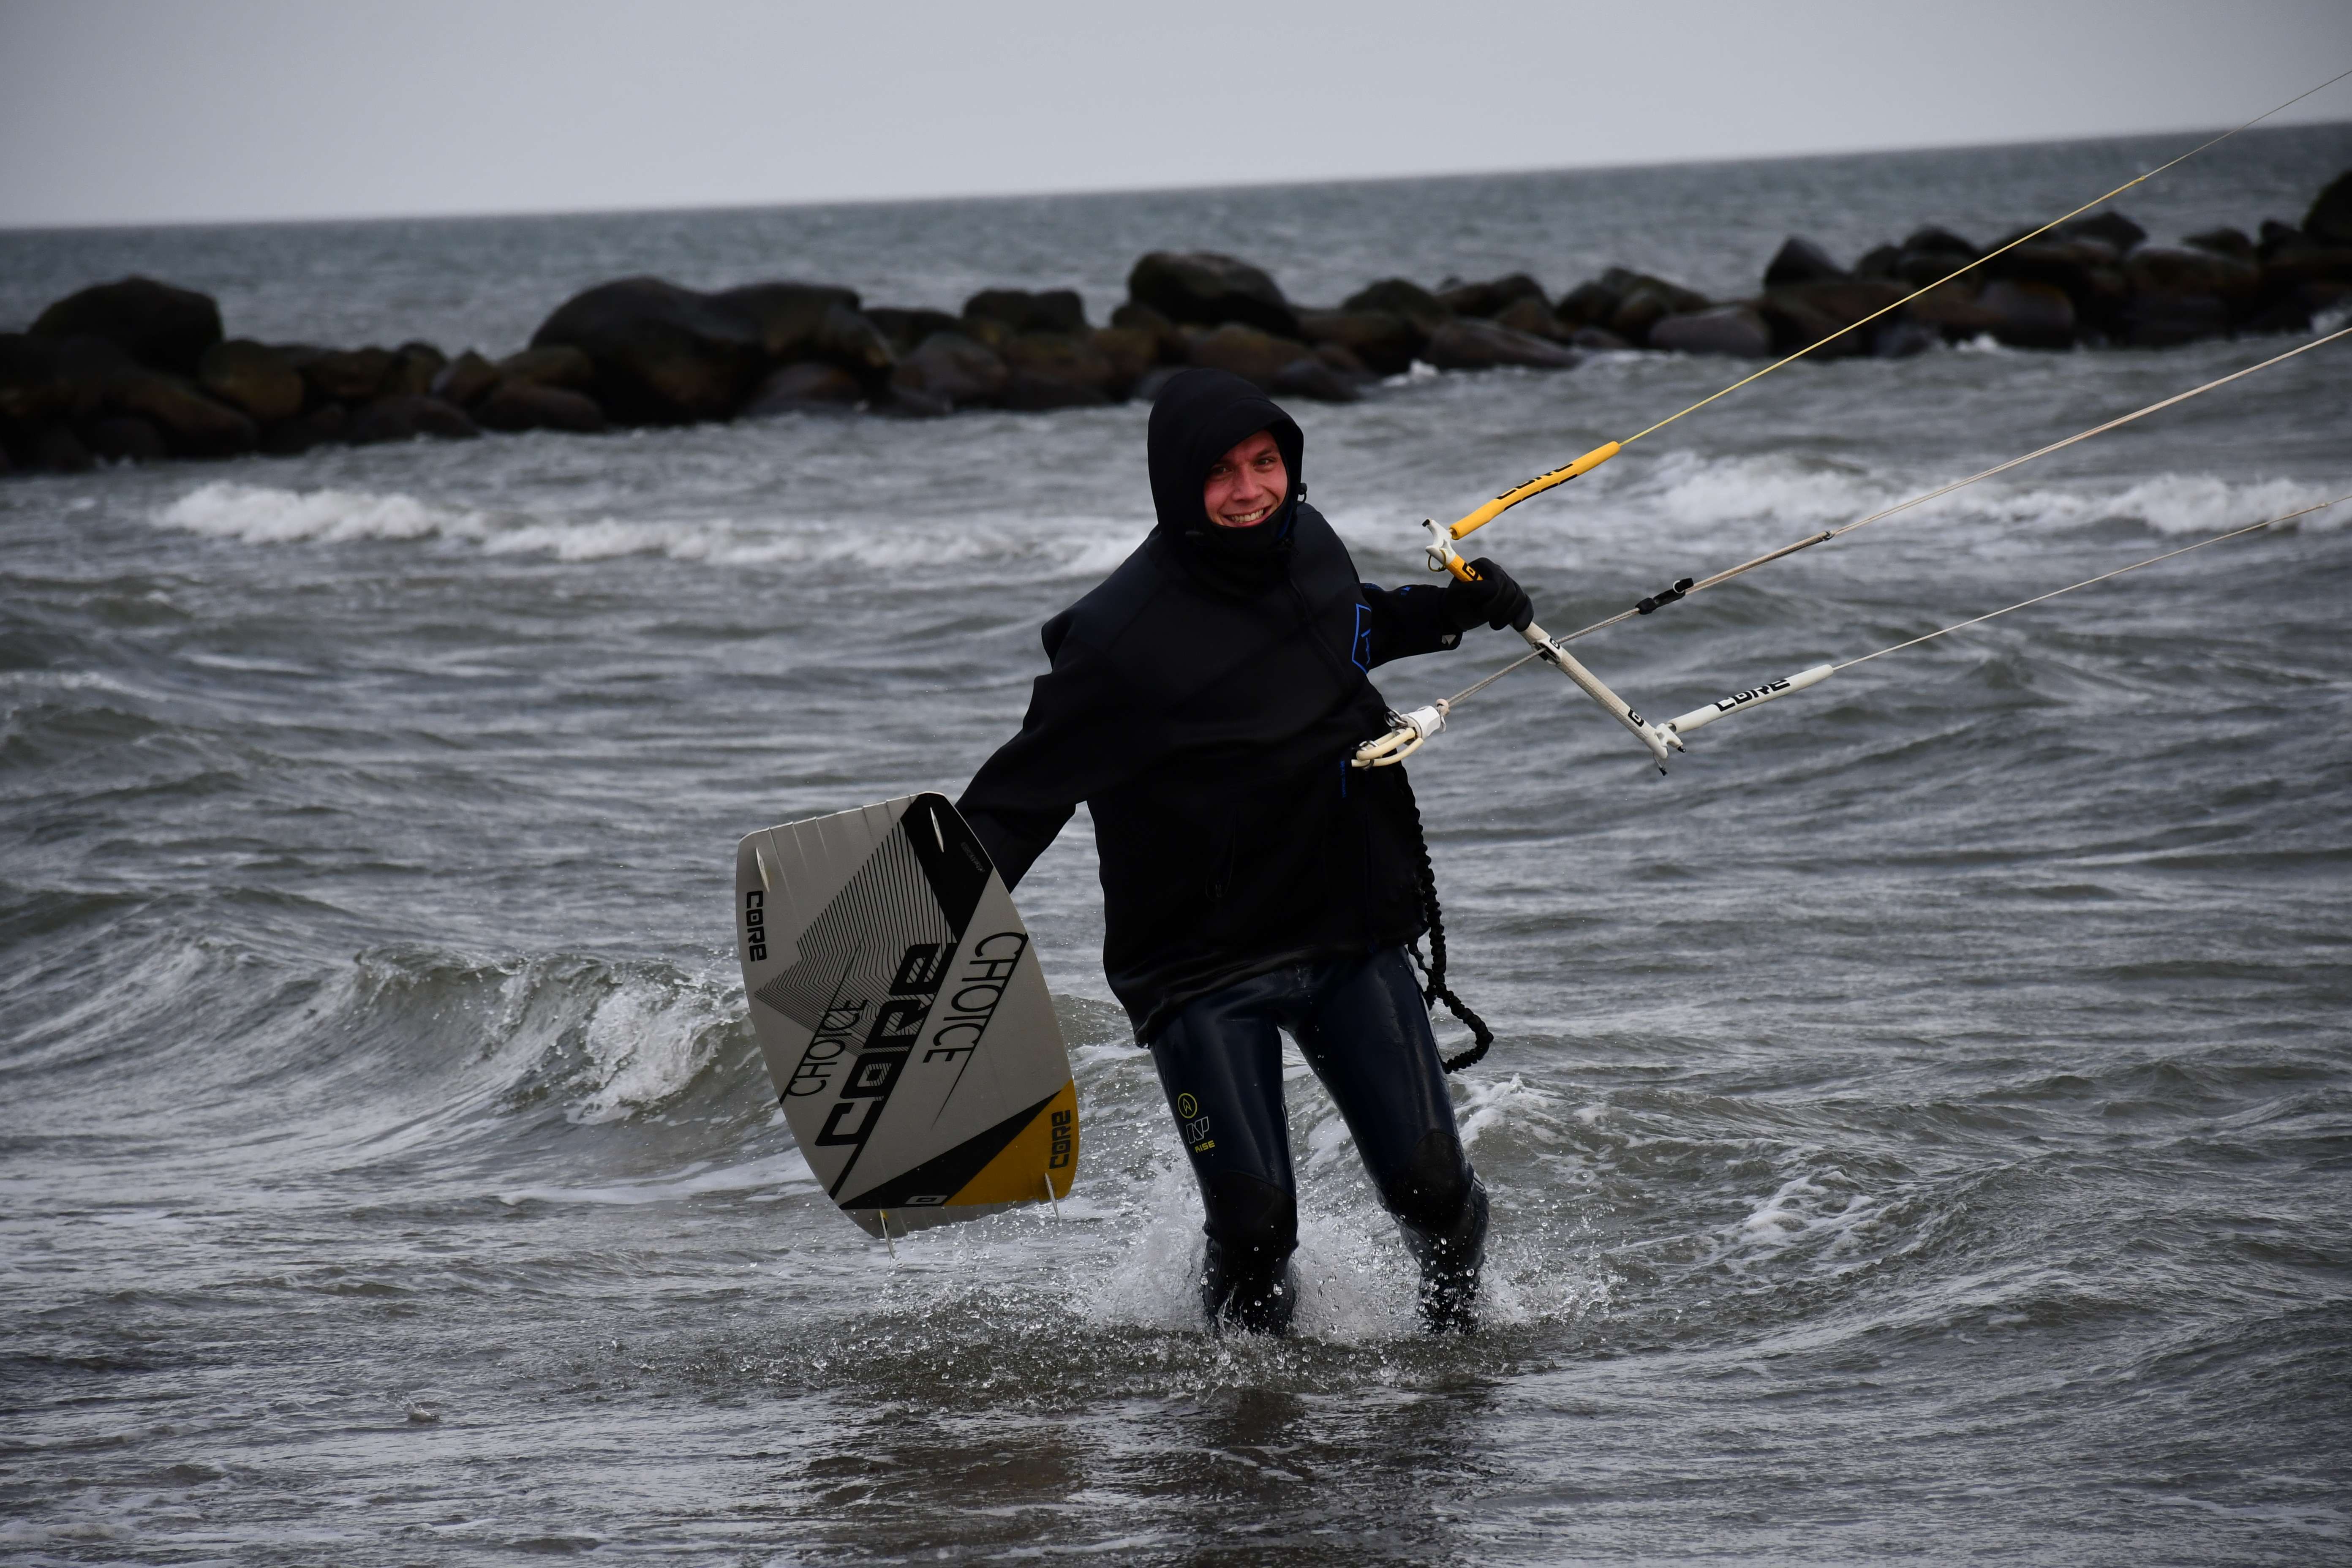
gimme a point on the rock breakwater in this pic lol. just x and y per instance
(139, 370)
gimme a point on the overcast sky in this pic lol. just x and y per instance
(153, 110)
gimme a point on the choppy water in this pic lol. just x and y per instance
(1920, 1125)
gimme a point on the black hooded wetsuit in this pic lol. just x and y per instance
(1203, 702)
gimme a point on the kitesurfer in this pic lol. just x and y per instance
(1204, 702)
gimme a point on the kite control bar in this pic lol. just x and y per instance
(1443, 557)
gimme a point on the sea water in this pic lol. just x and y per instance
(1919, 1125)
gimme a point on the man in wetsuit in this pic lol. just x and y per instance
(1204, 701)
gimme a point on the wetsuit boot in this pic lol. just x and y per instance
(1246, 1269)
(1441, 1207)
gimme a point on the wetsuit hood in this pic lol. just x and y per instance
(1200, 415)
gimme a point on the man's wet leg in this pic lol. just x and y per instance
(1220, 1064)
(1370, 1042)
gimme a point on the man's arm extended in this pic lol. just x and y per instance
(1081, 737)
(1398, 623)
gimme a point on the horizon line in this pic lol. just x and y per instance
(1079, 191)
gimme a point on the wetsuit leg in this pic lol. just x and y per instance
(1368, 1038)
(1220, 1063)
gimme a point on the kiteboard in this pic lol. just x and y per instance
(903, 1015)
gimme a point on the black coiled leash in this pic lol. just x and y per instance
(1432, 969)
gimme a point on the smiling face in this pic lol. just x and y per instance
(1246, 484)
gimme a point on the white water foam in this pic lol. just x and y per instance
(264, 515)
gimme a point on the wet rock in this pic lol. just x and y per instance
(2234, 243)
(1398, 297)
(1532, 315)
(44, 379)
(2110, 227)
(415, 365)
(1132, 316)
(1879, 261)
(120, 438)
(1643, 301)
(467, 379)
(788, 317)
(557, 365)
(2178, 295)
(344, 375)
(1482, 345)
(323, 425)
(1597, 340)
(192, 425)
(1314, 377)
(2087, 271)
(1253, 356)
(949, 371)
(1952, 310)
(1735, 329)
(515, 404)
(2029, 315)
(1053, 311)
(1589, 304)
(662, 354)
(1131, 351)
(53, 448)
(905, 329)
(1387, 343)
(1489, 299)
(1930, 240)
(811, 386)
(2329, 221)
(1803, 315)
(253, 377)
(1206, 289)
(1055, 370)
(156, 324)
(1799, 261)
(405, 415)
(2274, 237)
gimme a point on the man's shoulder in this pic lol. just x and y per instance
(1104, 613)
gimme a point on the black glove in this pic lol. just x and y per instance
(1493, 598)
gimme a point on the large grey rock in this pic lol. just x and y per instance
(2234, 243)
(44, 379)
(906, 328)
(160, 326)
(1052, 311)
(1203, 288)
(557, 365)
(948, 371)
(2029, 315)
(1398, 297)
(1828, 314)
(1468, 344)
(1316, 377)
(1253, 356)
(513, 405)
(789, 317)
(192, 425)
(664, 354)
(1532, 315)
(117, 439)
(2110, 227)
(344, 375)
(327, 423)
(1385, 341)
(405, 415)
(1490, 298)
(53, 448)
(1735, 329)
(253, 377)
(2329, 221)
(810, 386)
(1056, 370)
(414, 367)
(1799, 261)
(1590, 304)
(468, 378)
(1952, 310)
(1132, 353)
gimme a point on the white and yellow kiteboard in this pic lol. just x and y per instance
(898, 1002)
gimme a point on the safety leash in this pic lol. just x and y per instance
(1432, 969)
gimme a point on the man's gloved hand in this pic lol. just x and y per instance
(1494, 599)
